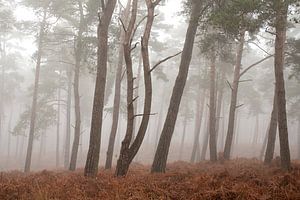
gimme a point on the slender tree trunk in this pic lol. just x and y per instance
(280, 25)
(35, 95)
(205, 140)
(234, 94)
(160, 119)
(136, 94)
(68, 122)
(212, 111)
(78, 55)
(161, 155)
(128, 153)
(264, 146)
(9, 136)
(220, 94)
(117, 97)
(183, 135)
(198, 122)
(58, 122)
(256, 130)
(298, 136)
(3, 55)
(223, 129)
(272, 132)
(92, 162)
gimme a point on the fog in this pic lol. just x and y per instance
(19, 38)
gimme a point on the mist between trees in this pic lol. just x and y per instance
(116, 82)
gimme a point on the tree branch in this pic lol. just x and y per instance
(253, 65)
(140, 115)
(229, 84)
(164, 60)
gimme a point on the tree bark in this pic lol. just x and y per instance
(212, 111)
(117, 97)
(280, 25)
(35, 94)
(272, 132)
(198, 122)
(161, 155)
(234, 93)
(68, 121)
(91, 166)
(78, 57)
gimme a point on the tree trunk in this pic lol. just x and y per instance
(58, 123)
(220, 94)
(198, 122)
(161, 155)
(183, 136)
(78, 57)
(272, 132)
(264, 146)
(117, 97)
(68, 121)
(280, 25)
(212, 111)
(128, 153)
(298, 136)
(234, 94)
(92, 162)
(256, 130)
(35, 95)
(205, 139)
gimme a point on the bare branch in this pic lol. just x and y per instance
(243, 81)
(239, 106)
(253, 65)
(141, 115)
(135, 45)
(137, 26)
(123, 25)
(164, 60)
(260, 48)
(229, 84)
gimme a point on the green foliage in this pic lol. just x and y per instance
(234, 16)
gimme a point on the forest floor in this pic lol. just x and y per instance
(237, 179)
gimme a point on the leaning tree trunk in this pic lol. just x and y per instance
(198, 122)
(280, 25)
(212, 111)
(91, 166)
(78, 56)
(161, 155)
(35, 95)
(117, 97)
(68, 121)
(234, 94)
